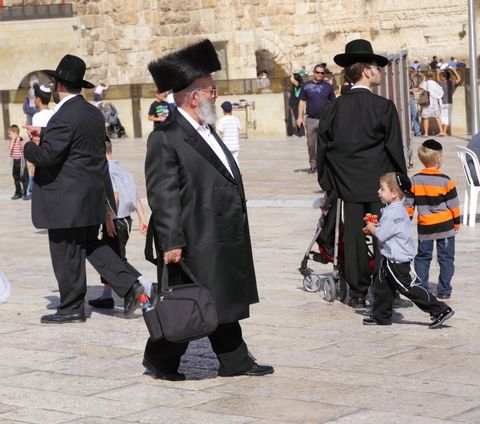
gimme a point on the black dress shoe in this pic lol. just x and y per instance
(16, 196)
(258, 370)
(105, 303)
(254, 371)
(357, 302)
(132, 298)
(373, 321)
(443, 296)
(440, 319)
(161, 373)
(62, 319)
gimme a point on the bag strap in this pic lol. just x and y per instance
(165, 288)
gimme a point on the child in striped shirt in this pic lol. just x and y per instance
(229, 130)
(438, 209)
(19, 165)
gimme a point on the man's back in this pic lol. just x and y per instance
(359, 140)
(71, 168)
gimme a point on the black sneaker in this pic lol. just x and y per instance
(440, 319)
(443, 296)
(16, 196)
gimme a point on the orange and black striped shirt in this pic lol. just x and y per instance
(438, 207)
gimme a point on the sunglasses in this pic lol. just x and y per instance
(213, 92)
(319, 72)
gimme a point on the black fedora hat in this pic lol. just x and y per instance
(359, 51)
(71, 69)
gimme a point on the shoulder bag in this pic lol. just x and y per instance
(180, 313)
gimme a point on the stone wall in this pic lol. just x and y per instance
(119, 38)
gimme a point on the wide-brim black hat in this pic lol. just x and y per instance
(179, 69)
(71, 69)
(359, 51)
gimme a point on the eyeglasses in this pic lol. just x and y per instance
(213, 91)
(319, 72)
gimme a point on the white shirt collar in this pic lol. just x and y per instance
(354, 87)
(193, 123)
(64, 100)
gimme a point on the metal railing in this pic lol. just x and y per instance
(41, 11)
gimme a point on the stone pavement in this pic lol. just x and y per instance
(329, 368)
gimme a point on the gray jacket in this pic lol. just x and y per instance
(394, 234)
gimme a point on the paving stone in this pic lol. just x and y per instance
(38, 416)
(67, 403)
(279, 410)
(328, 366)
(51, 382)
(160, 395)
(176, 415)
(369, 417)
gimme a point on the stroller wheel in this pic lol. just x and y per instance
(312, 283)
(329, 290)
(342, 288)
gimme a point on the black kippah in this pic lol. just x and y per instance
(404, 182)
(432, 144)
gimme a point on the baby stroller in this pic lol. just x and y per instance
(115, 128)
(329, 238)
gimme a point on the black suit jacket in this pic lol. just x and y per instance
(359, 139)
(198, 206)
(71, 171)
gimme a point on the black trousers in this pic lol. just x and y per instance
(397, 276)
(226, 341)
(119, 243)
(69, 247)
(357, 270)
(20, 176)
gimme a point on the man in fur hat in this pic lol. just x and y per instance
(359, 140)
(199, 215)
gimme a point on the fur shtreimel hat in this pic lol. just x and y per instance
(359, 51)
(179, 69)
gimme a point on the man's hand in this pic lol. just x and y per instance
(299, 122)
(110, 224)
(33, 133)
(172, 256)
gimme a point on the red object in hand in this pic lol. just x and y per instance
(370, 218)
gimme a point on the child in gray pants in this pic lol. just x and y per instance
(397, 249)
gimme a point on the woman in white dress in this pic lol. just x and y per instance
(433, 109)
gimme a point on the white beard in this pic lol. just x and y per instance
(206, 112)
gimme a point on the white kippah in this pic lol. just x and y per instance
(45, 88)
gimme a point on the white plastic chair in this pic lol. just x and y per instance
(471, 190)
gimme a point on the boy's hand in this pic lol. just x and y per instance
(369, 229)
(143, 228)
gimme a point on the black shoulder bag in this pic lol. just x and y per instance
(180, 313)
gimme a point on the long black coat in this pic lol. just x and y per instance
(359, 139)
(198, 206)
(71, 179)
